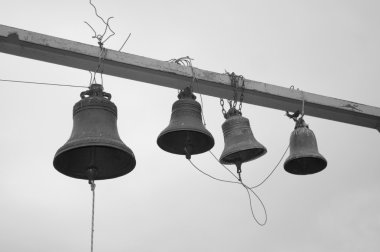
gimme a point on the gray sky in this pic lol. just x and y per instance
(325, 47)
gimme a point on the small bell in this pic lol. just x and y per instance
(240, 145)
(186, 134)
(94, 150)
(304, 157)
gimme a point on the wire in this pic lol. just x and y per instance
(249, 189)
(43, 83)
(223, 165)
(262, 182)
(222, 180)
(104, 33)
(245, 186)
(250, 204)
(270, 174)
(100, 37)
(125, 42)
(102, 55)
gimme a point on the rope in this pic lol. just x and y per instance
(246, 187)
(224, 165)
(270, 174)
(250, 204)
(93, 214)
(222, 180)
(262, 182)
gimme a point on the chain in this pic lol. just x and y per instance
(235, 79)
(224, 112)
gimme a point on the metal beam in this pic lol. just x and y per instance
(82, 56)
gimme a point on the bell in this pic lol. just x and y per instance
(239, 143)
(304, 157)
(186, 134)
(94, 150)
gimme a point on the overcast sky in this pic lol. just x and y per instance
(325, 47)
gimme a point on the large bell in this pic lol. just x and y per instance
(94, 150)
(304, 157)
(186, 134)
(239, 143)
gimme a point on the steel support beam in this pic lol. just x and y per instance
(82, 56)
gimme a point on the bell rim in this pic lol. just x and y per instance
(224, 155)
(313, 171)
(85, 177)
(165, 132)
(127, 150)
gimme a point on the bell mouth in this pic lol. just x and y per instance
(305, 165)
(242, 156)
(109, 162)
(176, 141)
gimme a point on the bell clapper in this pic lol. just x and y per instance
(188, 148)
(91, 174)
(238, 166)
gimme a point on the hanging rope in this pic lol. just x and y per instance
(221, 180)
(93, 214)
(245, 186)
(270, 174)
(265, 179)
(250, 204)
(249, 188)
